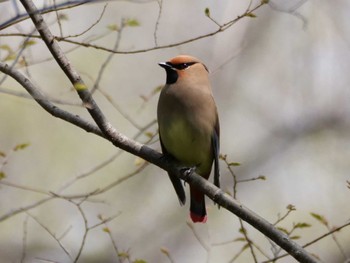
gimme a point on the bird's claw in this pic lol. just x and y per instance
(187, 171)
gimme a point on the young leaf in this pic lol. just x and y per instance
(283, 230)
(10, 56)
(222, 157)
(164, 251)
(242, 231)
(245, 247)
(21, 146)
(106, 229)
(113, 27)
(123, 255)
(132, 22)
(207, 12)
(63, 17)
(157, 89)
(149, 134)
(6, 47)
(234, 164)
(291, 207)
(139, 161)
(302, 225)
(80, 86)
(320, 218)
(250, 15)
(29, 43)
(2, 175)
(240, 239)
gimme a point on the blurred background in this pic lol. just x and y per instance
(280, 81)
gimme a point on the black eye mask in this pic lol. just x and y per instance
(182, 66)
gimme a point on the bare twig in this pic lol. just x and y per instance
(165, 251)
(99, 191)
(109, 57)
(28, 188)
(249, 242)
(119, 109)
(58, 18)
(19, 54)
(25, 208)
(91, 26)
(205, 246)
(64, 5)
(160, 4)
(24, 240)
(38, 96)
(28, 96)
(114, 243)
(221, 28)
(290, 208)
(86, 230)
(314, 241)
(50, 233)
(230, 169)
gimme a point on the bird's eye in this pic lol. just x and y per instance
(184, 65)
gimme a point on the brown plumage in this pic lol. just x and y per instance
(189, 125)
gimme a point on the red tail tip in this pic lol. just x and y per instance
(196, 218)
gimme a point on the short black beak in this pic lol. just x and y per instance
(171, 72)
(165, 65)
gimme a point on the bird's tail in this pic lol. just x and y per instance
(178, 188)
(198, 212)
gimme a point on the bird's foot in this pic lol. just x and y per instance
(187, 171)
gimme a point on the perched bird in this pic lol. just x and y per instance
(189, 125)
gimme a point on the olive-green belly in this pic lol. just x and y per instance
(188, 144)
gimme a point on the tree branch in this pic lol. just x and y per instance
(45, 103)
(221, 28)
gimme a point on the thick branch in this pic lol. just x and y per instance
(151, 155)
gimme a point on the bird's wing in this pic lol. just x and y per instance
(216, 149)
(176, 181)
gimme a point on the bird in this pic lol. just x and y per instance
(188, 124)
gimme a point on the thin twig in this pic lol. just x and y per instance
(28, 96)
(114, 243)
(205, 246)
(24, 208)
(160, 4)
(50, 233)
(86, 230)
(58, 18)
(109, 57)
(249, 242)
(19, 54)
(91, 26)
(24, 240)
(65, 5)
(221, 28)
(290, 208)
(28, 188)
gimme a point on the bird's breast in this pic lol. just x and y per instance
(188, 143)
